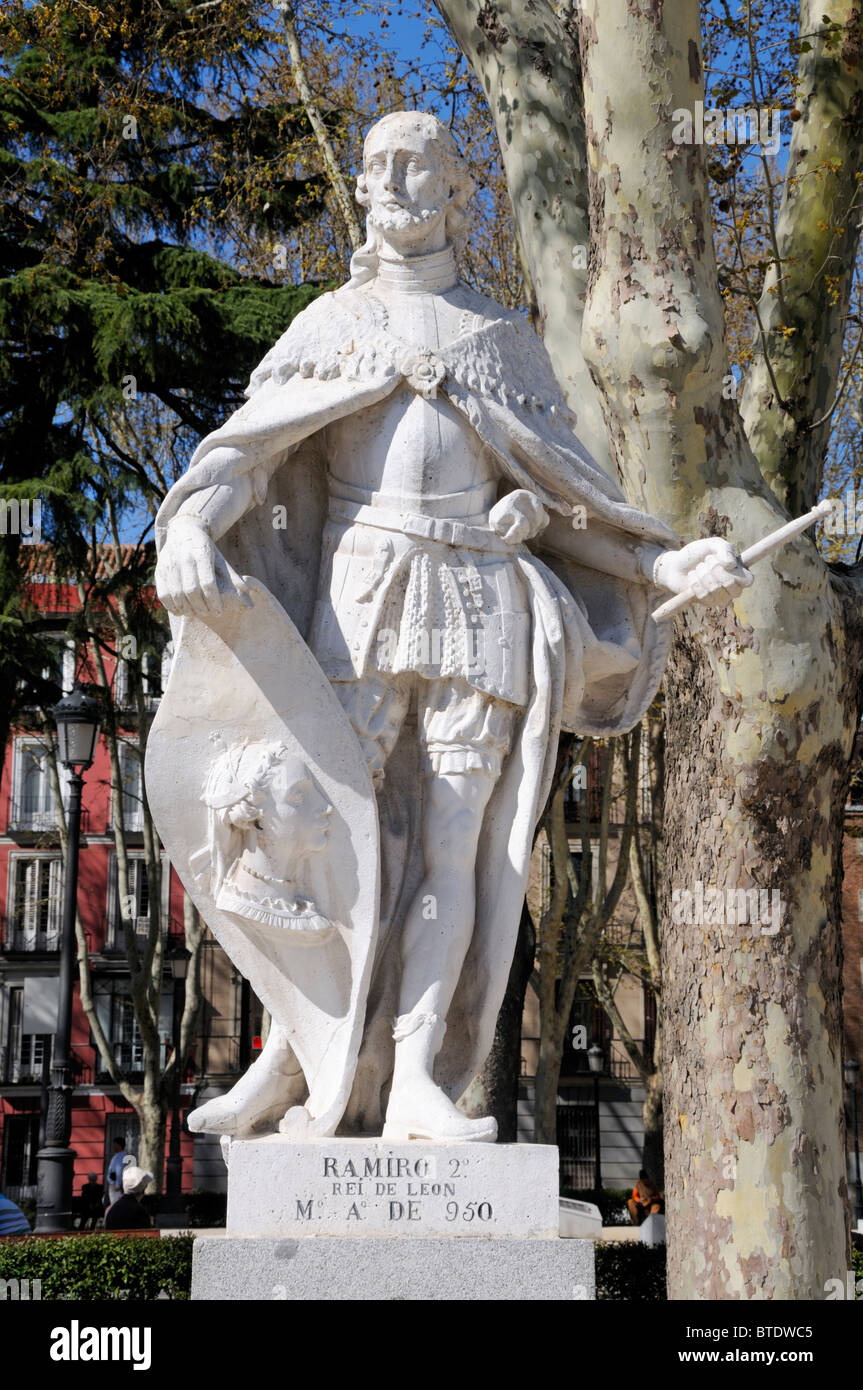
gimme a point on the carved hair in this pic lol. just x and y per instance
(364, 262)
(233, 794)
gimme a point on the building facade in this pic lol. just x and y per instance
(31, 894)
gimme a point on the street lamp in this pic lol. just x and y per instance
(852, 1071)
(178, 958)
(77, 719)
(596, 1062)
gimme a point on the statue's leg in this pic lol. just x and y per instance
(466, 735)
(260, 1098)
(376, 706)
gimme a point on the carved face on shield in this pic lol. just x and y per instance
(267, 818)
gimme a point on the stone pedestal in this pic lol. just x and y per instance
(363, 1219)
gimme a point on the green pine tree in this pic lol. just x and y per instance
(141, 151)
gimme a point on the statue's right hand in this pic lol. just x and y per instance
(192, 578)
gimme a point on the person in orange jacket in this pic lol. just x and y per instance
(646, 1200)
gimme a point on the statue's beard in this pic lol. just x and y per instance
(402, 219)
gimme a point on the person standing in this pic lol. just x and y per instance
(120, 1160)
(91, 1201)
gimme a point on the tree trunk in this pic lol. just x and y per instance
(762, 699)
(817, 233)
(526, 58)
(652, 1154)
(151, 1153)
(760, 711)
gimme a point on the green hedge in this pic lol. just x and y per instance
(100, 1267)
(627, 1271)
(97, 1267)
(630, 1272)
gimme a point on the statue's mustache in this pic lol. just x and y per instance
(389, 218)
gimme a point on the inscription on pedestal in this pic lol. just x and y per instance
(345, 1186)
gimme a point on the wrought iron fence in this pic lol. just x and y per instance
(16, 938)
(31, 813)
(26, 1063)
(616, 1062)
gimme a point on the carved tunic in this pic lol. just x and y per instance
(412, 577)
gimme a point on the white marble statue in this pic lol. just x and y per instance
(406, 482)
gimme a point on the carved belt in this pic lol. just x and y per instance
(428, 528)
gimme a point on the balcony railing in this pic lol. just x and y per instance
(27, 813)
(19, 939)
(616, 1061)
(31, 1070)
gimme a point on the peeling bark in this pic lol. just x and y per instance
(762, 699)
(760, 713)
(803, 308)
(526, 58)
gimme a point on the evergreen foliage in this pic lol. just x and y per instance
(137, 156)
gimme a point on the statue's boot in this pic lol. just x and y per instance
(418, 1109)
(257, 1102)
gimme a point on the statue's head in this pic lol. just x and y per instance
(261, 795)
(413, 182)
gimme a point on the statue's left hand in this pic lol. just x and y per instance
(518, 516)
(710, 567)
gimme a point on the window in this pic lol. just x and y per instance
(116, 1013)
(155, 666)
(132, 786)
(28, 1055)
(20, 1147)
(126, 1036)
(139, 899)
(32, 800)
(35, 903)
(588, 1014)
(125, 1126)
(62, 664)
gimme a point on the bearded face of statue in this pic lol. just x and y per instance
(409, 188)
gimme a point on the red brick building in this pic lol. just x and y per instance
(31, 875)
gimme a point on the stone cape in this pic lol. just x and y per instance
(337, 357)
(597, 657)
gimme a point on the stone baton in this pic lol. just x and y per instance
(755, 552)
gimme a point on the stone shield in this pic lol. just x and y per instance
(247, 675)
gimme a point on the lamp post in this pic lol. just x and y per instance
(596, 1062)
(77, 719)
(178, 959)
(852, 1072)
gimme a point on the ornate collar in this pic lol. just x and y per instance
(429, 274)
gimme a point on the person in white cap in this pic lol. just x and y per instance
(127, 1213)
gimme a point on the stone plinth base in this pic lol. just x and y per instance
(333, 1268)
(366, 1187)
